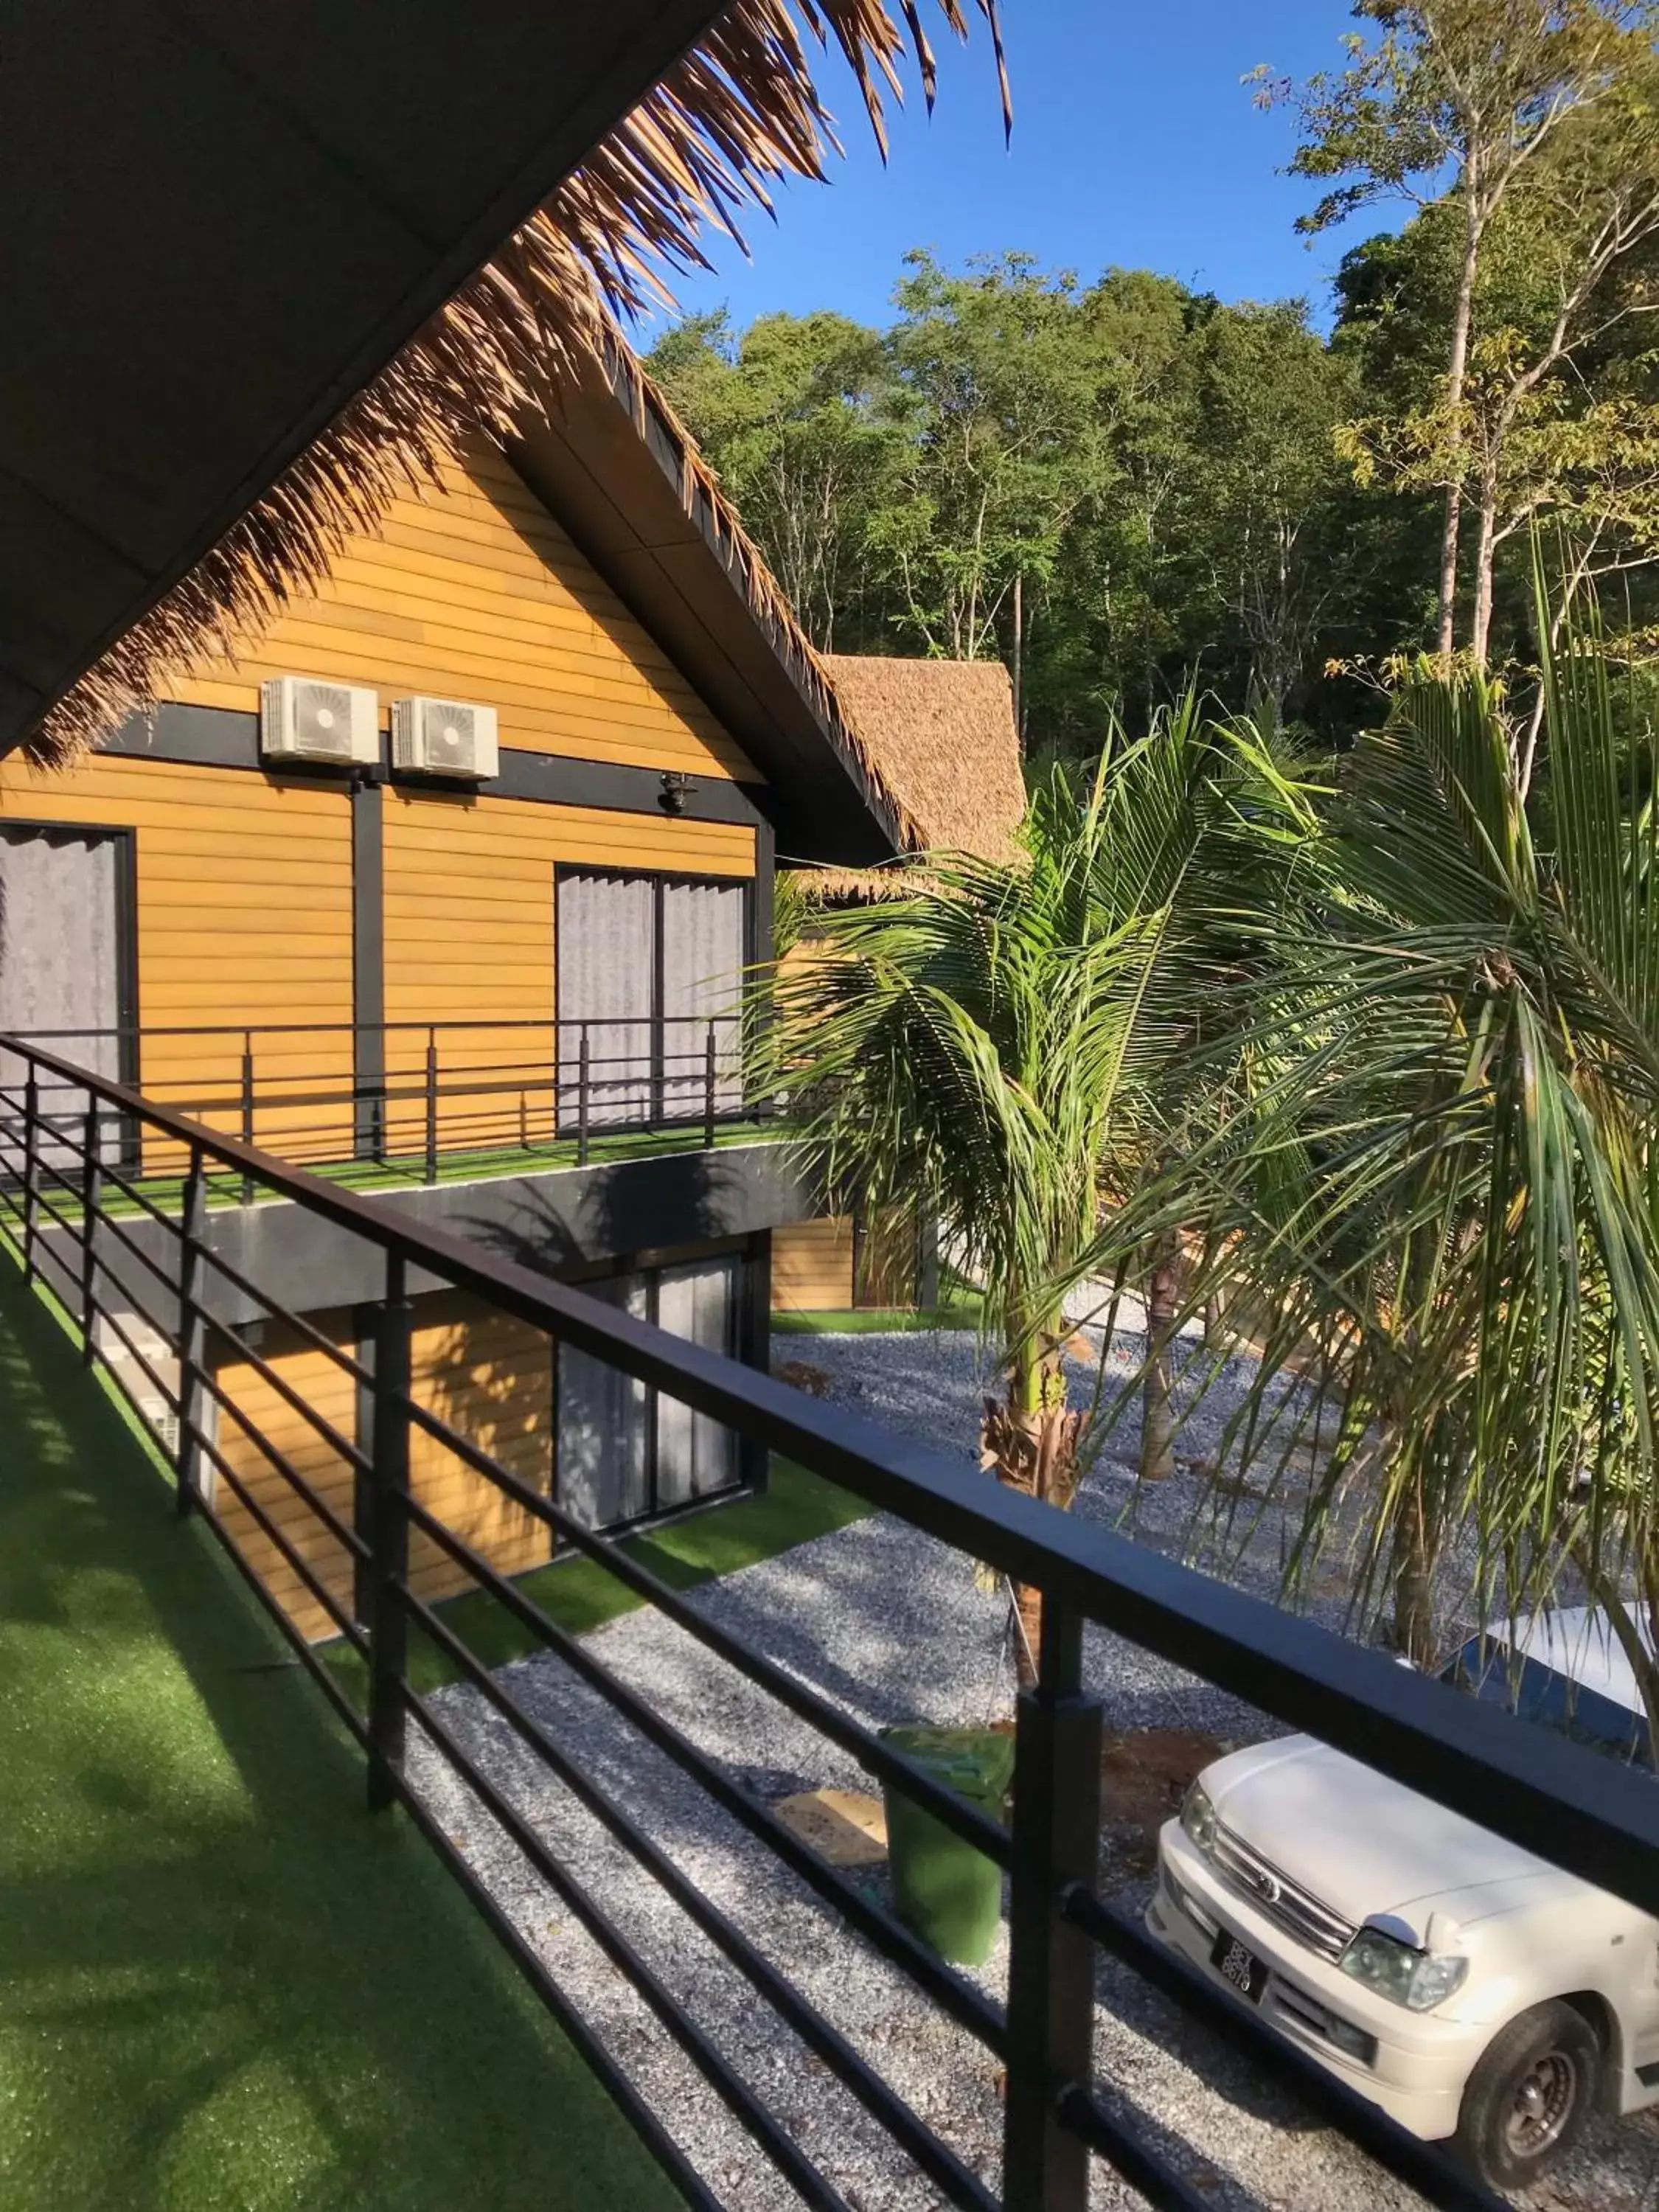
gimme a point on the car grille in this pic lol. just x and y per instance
(1272, 1892)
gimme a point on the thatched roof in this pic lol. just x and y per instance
(942, 735)
(736, 113)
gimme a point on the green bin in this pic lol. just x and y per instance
(949, 1893)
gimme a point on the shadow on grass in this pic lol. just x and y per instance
(579, 1594)
(222, 1983)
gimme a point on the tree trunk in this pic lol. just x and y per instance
(1033, 1448)
(1019, 670)
(1413, 1579)
(1456, 372)
(1485, 555)
(1163, 1292)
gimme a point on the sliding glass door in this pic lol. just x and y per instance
(626, 1452)
(650, 975)
(66, 962)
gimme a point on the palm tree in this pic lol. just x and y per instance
(1447, 1175)
(1007, 1044)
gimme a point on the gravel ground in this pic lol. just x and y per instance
(892, 1627)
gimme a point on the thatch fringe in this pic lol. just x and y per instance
(735, 114)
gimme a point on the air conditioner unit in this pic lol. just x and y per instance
(307, 718)
(444, 736)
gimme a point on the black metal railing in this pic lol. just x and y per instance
(412, 1094)
(1596, 1820)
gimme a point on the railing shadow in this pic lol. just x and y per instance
(215, 1963)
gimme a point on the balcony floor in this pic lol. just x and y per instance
(407, 1171)
(222, 1983)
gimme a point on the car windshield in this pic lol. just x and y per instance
(1490, 1671)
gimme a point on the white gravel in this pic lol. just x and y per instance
(891, 1626)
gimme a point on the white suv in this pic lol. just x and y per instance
(1468, 1988)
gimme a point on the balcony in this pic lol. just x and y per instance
(384, 1105)
(487, 1765)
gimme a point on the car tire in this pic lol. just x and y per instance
(1532, 2090)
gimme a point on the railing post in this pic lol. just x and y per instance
(91, 1192)
(248, 1108)
(31, 1167)
(582, 1099)
(1051, 1966)
(432, 1105)
(192, 1334)
(708, 1090)
(388, 1563)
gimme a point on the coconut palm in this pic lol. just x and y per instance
(1009, 1044)
(1446, 1179)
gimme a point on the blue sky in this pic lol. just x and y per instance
(1134, 143)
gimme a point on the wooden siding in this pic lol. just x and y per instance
(244, 897)
(490, 1378)
(887, 1272)
(472, 590)
(470, 937)
(812, 1266)
(326, 1386)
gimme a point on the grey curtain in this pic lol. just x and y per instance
(605, 948)
(703, 952)
(696, 1456)
(604, 1426)
(61, 955)
(611, 1427)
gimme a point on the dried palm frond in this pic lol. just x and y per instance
(737, 112)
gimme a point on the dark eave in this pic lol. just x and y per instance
(218, 221)
(614, 473)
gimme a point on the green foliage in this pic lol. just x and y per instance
(1443, 1191)
(1008, 1045)
(1113, 486)
(1528, 137)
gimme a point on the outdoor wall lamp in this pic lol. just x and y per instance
(675, 785)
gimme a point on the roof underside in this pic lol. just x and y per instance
(624, 479)
(217, 223)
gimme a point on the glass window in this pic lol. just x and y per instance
(650, 969)
(625, 1450)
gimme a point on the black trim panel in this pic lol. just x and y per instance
(223, 737)
(551, 778)
(368, 962)
(199, 737)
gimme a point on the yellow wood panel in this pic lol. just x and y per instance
(490, 1379)
(812, 1266)
(332, 1391)
(469, 938)
(244, 897)
(471, 589)
(886, 1272)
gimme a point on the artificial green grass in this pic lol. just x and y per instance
(408, 1171)
(224, 1986)
(873, 1320)
(579, 1594)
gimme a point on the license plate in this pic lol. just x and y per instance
(1239, 1966)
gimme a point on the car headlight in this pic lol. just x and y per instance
(1198, 1819)
(1398, 1971)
